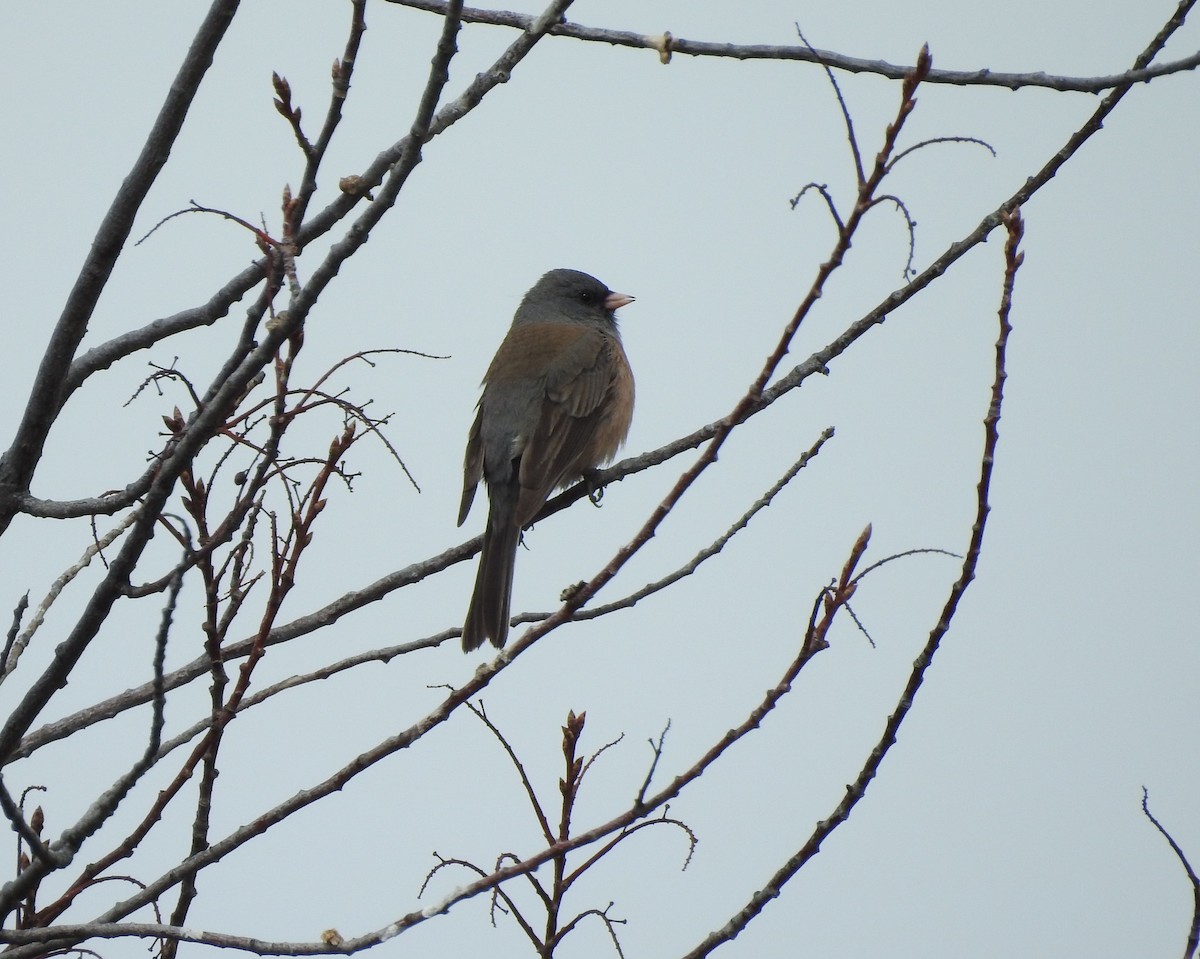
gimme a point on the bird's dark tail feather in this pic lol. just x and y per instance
(488, 614)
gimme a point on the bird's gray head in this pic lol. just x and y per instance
(569, 295)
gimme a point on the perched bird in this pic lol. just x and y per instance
(557, 401)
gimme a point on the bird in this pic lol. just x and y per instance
(557, 402)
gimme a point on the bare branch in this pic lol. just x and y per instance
(697, 48)
(1193, 939)
(18, 464)
(530, 793)
(13, 631)
(819, 361)
(688, 568)
(106, 354)
(16, 648)
(657, 752)
(341, 73)
(855, 152)
(28, 834)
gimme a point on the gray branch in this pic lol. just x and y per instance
(665, 45)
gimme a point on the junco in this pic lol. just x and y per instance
(557, 401)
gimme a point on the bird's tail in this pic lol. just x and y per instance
(488, 614)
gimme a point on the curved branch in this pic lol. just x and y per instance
(1193, 938)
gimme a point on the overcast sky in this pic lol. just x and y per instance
(1006, 821)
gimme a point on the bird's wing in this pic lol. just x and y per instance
(472, 468)
(577, 386)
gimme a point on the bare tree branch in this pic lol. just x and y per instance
(666, 44)
(19, 462)
(713, 549)
(1193, 938)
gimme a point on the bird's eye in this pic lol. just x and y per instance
(587, 296)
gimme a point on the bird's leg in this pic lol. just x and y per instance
(595, 490)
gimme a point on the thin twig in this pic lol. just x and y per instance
(657, 751)
(855, 154)
(16, 648)
(1193, 939)
(341, 74)
(16, 818)
(530, 793)
(13, 631)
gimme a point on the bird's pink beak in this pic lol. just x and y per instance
(614, 301)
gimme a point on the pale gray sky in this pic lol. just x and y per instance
(1006, 821)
